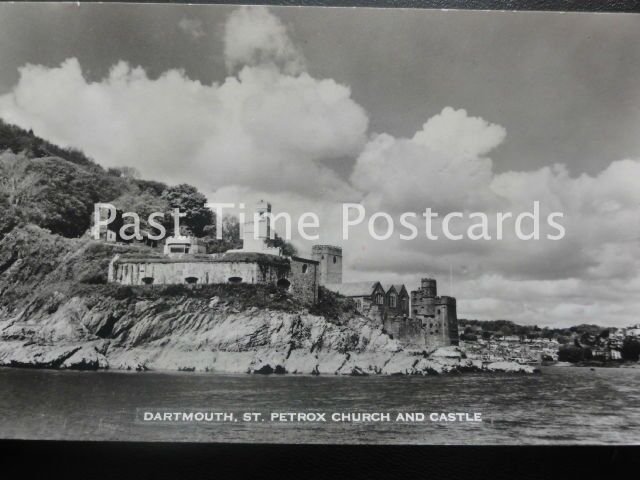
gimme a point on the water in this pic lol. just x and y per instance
(561, 406)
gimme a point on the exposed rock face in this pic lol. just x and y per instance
(194, 334)
(50, 319)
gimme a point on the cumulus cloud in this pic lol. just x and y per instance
(446, 166)
(442, 166)
(263, 127)
(270, 130)
(253, 36)
(192, 27)
(455, 133)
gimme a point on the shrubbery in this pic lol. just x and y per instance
(573, 354)
(631, 349)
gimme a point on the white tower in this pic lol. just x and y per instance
(257, 229)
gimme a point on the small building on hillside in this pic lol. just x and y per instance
(181, 245)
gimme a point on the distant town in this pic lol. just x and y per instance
(503, 339)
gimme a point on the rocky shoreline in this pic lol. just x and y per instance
(88, 357)
(100, 356)
(58, 313)
(220, 341)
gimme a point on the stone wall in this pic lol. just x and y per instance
(174, 272)
(368, 308)
(329, 260)
(304, 279)
(298, 275)
(448, 318)
(437, 314)
(409, 332)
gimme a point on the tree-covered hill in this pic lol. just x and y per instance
(56, 188)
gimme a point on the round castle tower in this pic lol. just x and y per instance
(429, 287)
(329, 258)
(437, 314)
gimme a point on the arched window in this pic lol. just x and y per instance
(335, 259)
(305, 267)
(284, 284)
(393, 300)
(380, 299)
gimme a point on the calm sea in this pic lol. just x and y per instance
(560, 406)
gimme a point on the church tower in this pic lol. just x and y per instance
(329, 258)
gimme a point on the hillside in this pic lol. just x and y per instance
(57, 310)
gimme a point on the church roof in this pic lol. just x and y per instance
(397, 286)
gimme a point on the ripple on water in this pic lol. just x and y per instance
(563, 405)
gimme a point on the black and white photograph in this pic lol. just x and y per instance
(311, 225)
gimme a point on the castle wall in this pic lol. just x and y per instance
(449, 319)
(408, 331)
(163, 273)
(434, 333)
(438, 315)
(304, 277)
(368, 308)
(301, 274)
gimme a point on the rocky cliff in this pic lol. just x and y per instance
(57, 312)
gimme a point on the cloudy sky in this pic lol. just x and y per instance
(398, 110)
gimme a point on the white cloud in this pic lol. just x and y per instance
(253, 36)
(263, 128)
(192, 27)
(268, 130)
(440, 167)
(445, 166)
(455, 133)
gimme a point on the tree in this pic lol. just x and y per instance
(151, 186)
(17, 183)
(286, 248)
(630, 349)
(144, 204)
(573, 353)
(230, 236)
(191, 202)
